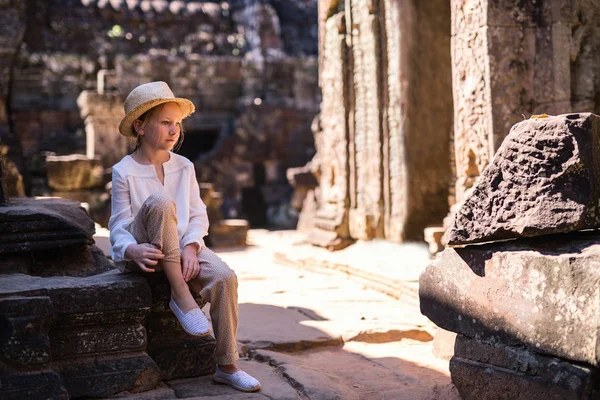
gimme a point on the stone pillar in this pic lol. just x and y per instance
(102, 114)
(396, 75)
(509, 60)
(331, 222)
(366, 212)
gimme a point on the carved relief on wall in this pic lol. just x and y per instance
(396, 210)
(333, 148)
(366, 220)
(471, 87)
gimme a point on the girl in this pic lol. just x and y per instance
(158, 221)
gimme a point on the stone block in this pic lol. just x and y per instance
(108, 375)
(24, 325)
(541, 292)
(32, 386)
(484, 371)
(177, 354)
(32, 224)
(74, 172)
(229, 233)
(542, 180)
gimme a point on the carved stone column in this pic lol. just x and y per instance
(366, 213)
(102, 114)
(331, 222)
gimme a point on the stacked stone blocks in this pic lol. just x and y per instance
(522, 290)
(73, 326)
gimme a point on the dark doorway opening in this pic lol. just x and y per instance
(198, 142)
(254, 207)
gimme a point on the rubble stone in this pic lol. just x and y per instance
(542, 180)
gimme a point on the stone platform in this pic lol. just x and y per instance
(71, 325)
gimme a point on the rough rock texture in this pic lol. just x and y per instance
(86, 330)
(74, 172)
(43, 224)
(517, 58)
(228, 233)
(384, 159)
(495, 371)
(102, 114)
(73, 326)
(542, 180)
(331, 223)
(177, 354)
(541, 292)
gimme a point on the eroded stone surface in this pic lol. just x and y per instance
(541, 181)
(74, 172)
(543, 292)
(485, 371)
(32, 224)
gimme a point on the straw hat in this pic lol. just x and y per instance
(147, 96)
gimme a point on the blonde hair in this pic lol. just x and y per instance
(145, 118)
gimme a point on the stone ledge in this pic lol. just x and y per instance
(541, 292)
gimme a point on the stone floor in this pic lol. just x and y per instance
(310, 330)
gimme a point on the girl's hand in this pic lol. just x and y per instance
(190, 267)
(144, 254)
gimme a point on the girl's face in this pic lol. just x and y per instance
(163, 129)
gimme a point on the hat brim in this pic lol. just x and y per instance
(126, 125)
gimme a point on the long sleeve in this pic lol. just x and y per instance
(121, 215)
(198, 224)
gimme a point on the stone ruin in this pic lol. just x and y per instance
(398, 159)
(520, 285)
(71, 325)
(382, 159)
(419, 95)
(249, 66)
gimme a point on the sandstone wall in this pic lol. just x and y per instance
(512, 59)
(397, 106)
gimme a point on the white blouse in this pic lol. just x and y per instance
(133, 182)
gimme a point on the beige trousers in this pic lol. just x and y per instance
(156, 223)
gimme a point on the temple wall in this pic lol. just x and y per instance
(399, 110)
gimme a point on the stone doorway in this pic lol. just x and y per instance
(198, 142)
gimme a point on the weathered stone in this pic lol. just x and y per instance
(331, 220)
(365, 216)
(541, 292)
(35, 386)
(273, 385)
(105, 376)
(31, 224)
(70, 261)
(229, 233)
(541, 181)
(177, 354)
(96, 339)
(102, 114)
(24, 326)
(486, 371)
(11, 180)
(74, 172)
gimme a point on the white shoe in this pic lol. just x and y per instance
(193, 322)
(238, 380)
